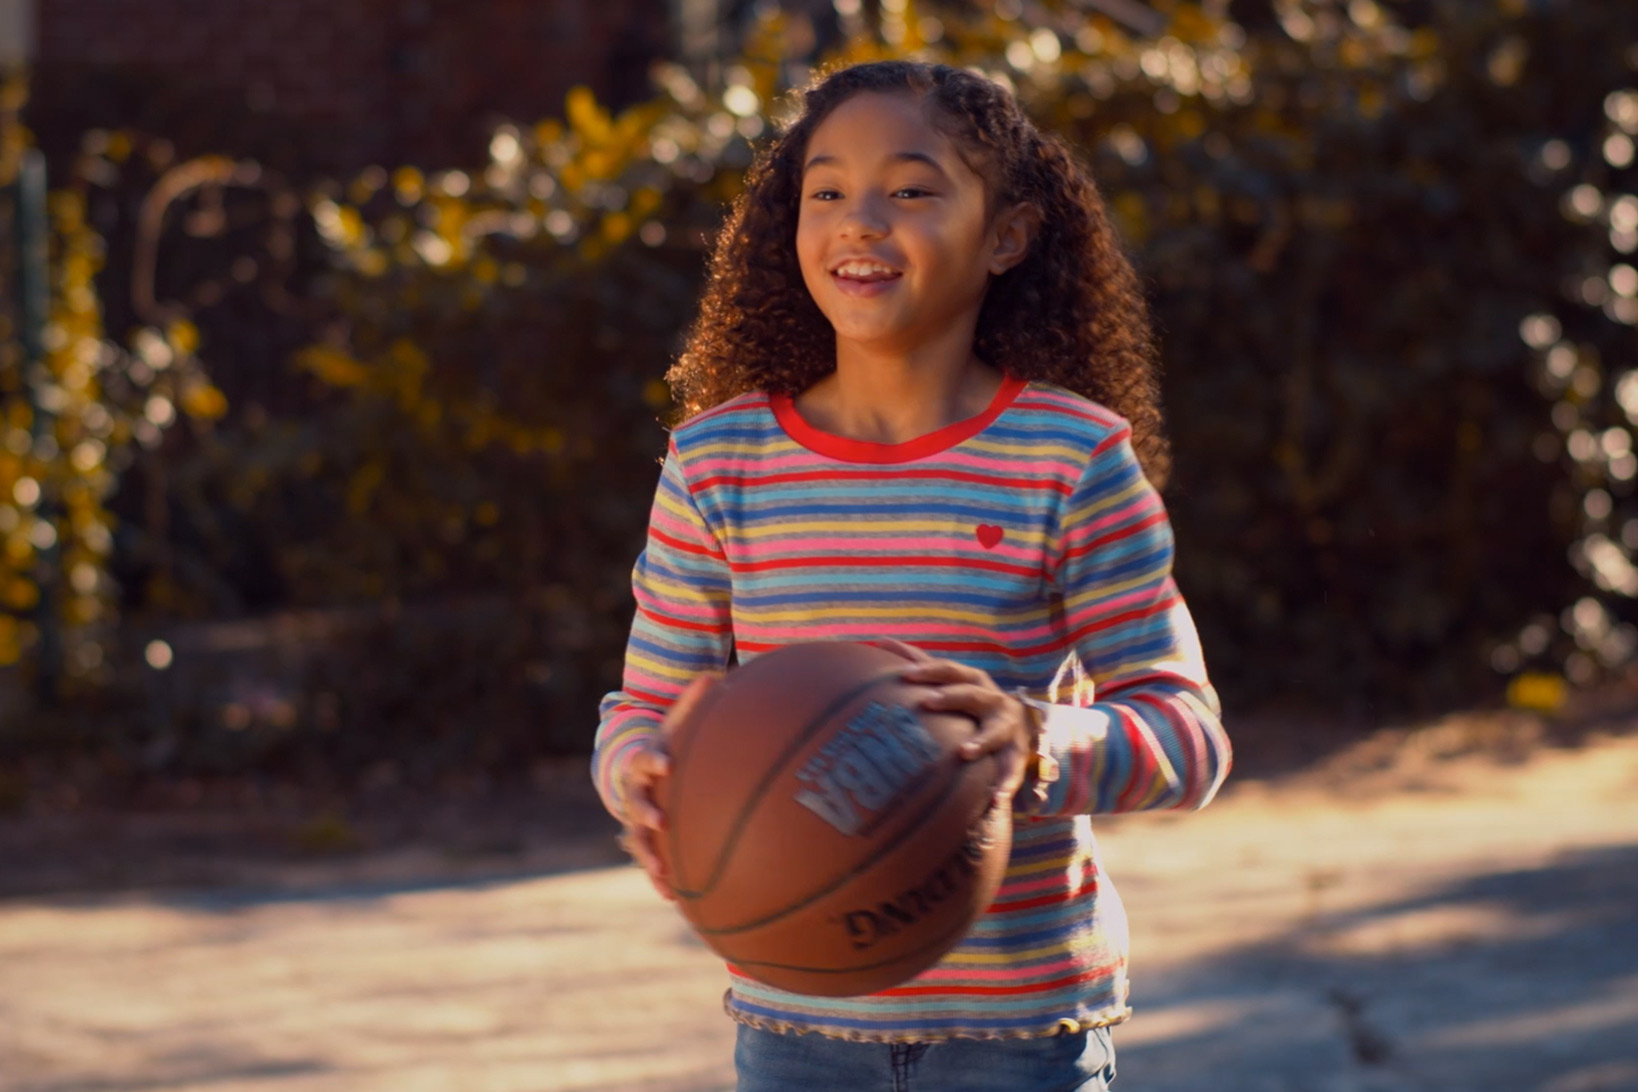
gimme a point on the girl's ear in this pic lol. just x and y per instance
(1015, 228)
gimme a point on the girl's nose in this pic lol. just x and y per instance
(864, 221)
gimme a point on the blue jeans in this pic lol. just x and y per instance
(1082, 1061)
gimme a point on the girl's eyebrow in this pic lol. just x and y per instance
(896, 157)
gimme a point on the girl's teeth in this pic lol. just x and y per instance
(859, 272)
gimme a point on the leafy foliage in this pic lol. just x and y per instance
(1384, 240)
(1344, 216)
(70, 419)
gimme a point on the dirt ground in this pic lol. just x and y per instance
(1427, 912)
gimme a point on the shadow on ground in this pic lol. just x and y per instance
(1271, 745)
(1523, 979)
(527, 967)
(555, 827)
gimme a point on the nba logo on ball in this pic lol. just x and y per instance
(824, 833)
(855, 777)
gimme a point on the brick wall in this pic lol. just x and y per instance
(389, 81)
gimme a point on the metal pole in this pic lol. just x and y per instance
(34, 285)
(18, 23)
(699, 37)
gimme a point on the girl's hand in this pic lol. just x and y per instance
(1003, 723)
(645, 821)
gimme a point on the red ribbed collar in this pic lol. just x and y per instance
(866, 451)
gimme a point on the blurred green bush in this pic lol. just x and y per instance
(1375, 236)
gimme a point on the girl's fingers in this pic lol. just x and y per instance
(965, 697)
(996, 729)
(999, 740)
(999, 737)
(948, 671)
(692, 694)
(644, 819)
(647, 768)
(650, 764)
(1009, 776)
(640, 845)
(645, 814)
(993, 735)
(641, 811)
(970, 690)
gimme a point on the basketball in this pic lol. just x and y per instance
(823, 834)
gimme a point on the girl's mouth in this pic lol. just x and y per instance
(861, 277)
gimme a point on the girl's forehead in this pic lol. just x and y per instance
(873, 127)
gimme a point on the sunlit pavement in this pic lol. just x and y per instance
(1446, 925)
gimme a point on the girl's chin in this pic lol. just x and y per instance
(876, 338)
(865, 323)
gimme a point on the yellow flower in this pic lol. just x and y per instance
(21, 595)
(589, 120)
(183, 336)
(204, 402)
(657, 394)
(11, 640)
(1540, 692)
(616, 227)
(409, 183)
(333, 366)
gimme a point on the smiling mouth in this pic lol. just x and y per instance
(864, 272)
(862, 278)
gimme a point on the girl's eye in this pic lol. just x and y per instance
(903, 191)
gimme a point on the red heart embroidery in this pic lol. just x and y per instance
(988, 535)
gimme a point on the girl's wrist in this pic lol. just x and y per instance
(1040, 768)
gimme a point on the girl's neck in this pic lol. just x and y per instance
(894, 398)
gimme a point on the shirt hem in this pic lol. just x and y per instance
(1065, 1025)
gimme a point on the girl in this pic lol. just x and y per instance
(920, 403)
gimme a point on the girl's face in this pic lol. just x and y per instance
(893, 237)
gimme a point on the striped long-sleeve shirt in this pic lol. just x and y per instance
(1024, 541)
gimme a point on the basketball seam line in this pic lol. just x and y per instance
(958, 927)
(737, 828)
(677, 757)
(950, 786)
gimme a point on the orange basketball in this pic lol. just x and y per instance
(823, 834)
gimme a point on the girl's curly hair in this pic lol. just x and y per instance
(1071, 313)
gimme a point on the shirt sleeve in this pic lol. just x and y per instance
(682, 627)
(1140, 726)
